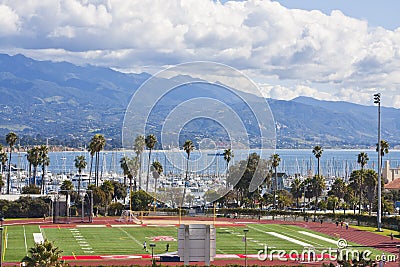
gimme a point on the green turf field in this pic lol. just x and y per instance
(95, 240)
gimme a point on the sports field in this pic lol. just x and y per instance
(120, 240)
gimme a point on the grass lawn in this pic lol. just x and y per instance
(92, 240)
(385, 232)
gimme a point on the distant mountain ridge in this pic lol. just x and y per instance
(65, 103)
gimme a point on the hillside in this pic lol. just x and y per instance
(66, 104)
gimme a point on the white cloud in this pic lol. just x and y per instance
(9, 23)
(324, 56)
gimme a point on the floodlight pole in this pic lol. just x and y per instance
(152, 245)
(245, 246)
(1, 240)
(377, 100)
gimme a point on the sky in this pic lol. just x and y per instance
(331, 50)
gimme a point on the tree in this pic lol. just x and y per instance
(370, 185)
(150, 142)
(228, 155)
(119, 191)
(333, 203)
(92, 152)
(3, 160)
(338, 188)
(362, 159)
(33, 157)
(296, 190)
(384, 149)
(99, 144)
(44, 160)
(188, 147)
(275, 159)
(317, 151)
(307, 188)
(318, 186)
(66, 186)
(30, 189)
(141, 200)
(80, 164)
(244, 171)
(284, 198)
(124, 166)
(138, 146)
(157, 170)
(11, 139)
(44, 254)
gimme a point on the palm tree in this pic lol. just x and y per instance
(188, 147)
(92, 152)
(158, 169)
(80, 164)
(275, 159)
(318, 186)
(44, 160)
(317, 151)
(43, 254)
(124, 166)
(98, 143)
(34, 160)
(296, 190)
(3, 160)
(362, 160)
(228, 155)
(150, 142)
(139, 148)
(384, 149)
(11, 139)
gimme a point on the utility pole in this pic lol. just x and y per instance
(377, 100)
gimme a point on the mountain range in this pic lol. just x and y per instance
(66, 104)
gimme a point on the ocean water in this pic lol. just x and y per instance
(337, 163)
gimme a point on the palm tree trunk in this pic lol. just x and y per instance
(43, 170)
(9, 173)
(184, 184)
(90, 171)
(275, 188)
(148, 172)
(79, 183)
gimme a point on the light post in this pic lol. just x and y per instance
(152, 245)
(245, 246)
(1, 239)
(377, 100)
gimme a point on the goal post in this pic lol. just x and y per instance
(69, 206)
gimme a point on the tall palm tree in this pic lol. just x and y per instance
(158, 169)
(317, 151)
(3, 160)
(34, 160)
(139, 148)
(124, 166)
(44, 160)
(11, 139)
(188, 147)
(275, 160)
(362, 159)
(80, 164)
(98, 143)
(150, 142)
(92, 152)
(384, 149)
(318, 186)
(296, 190)
(228, 155)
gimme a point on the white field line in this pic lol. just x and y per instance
(288, 229)
(287, 238)
(284, 237)
(319, 237)
(129, 235)
(26, 245)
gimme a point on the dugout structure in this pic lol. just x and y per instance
(71, 207)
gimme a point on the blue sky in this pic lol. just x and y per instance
(384, 13)
(338, 50)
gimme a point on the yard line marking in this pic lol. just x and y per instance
(290, 239)
(26, 245)
(319, 237)
(129, 235)
(287, 238)
(289, 229)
